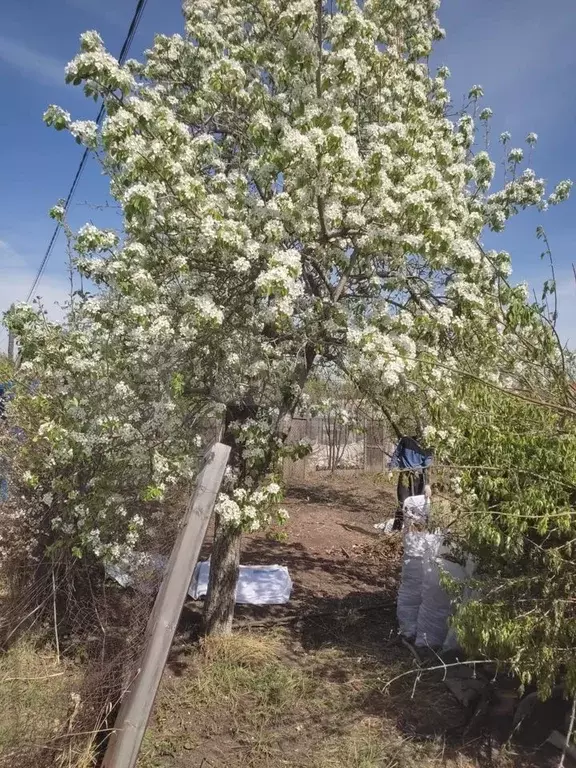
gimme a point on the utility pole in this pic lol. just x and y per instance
(136, 707)
(11, 343)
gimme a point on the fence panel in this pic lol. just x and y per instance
(365, 448)
(379, 445)
(295, 471)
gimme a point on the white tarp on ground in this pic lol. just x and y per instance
(257, 584)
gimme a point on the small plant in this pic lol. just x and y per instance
(277, 534)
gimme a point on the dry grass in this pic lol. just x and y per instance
(35, 700)
(236, 687)
(369, 746)
(246, 649)
(259, 702)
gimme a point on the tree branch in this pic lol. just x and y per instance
(345, 276)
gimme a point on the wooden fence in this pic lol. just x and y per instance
(366, 447)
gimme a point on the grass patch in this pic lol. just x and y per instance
(247, 674)
(255, 701)
(35, 700)
(235, 688)
(369, 746)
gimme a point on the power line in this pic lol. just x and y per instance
(140, 6)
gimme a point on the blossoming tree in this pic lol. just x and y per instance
(292, 193)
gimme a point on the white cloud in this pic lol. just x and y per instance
(52, 290)
(43, 68)
(7, 253)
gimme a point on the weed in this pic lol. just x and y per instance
(250, 702)
(244, 671)
(277, 534)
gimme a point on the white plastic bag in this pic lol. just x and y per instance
(422, 543)
(386, 527)
(416, 510)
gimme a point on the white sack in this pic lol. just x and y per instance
(416, 545)
(436, 606)
(409, 596)
(416, 509)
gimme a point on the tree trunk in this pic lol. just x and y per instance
(225, 558)
(224, 570)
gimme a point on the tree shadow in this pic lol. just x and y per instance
(331, 494)
(362, 628)
(317, 577)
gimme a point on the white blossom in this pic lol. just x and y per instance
(516, 155)
(85, 132)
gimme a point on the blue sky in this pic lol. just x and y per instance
(520, 51)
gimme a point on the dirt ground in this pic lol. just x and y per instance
(328, 545)
(311, 684)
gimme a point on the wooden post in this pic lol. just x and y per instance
(10, 346)
(365, 459)
(306, 435)
(132, 720)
